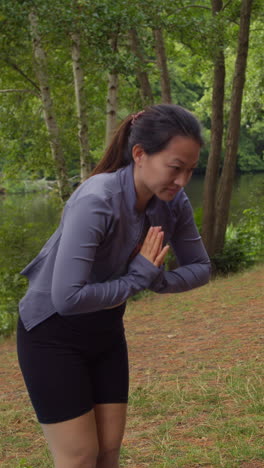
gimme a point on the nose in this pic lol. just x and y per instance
(182, 179)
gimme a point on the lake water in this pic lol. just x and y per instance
(43, 211)
(247, 191)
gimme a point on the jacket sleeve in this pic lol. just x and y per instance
(194, 264)
(84, 229)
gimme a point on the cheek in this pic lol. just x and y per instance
(156, 177)
(161, 180)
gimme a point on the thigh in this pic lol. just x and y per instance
(55, 374)
(110, 422)
(73, 443)
(110, 379)
(110, 373)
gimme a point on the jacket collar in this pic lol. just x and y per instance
(126, 178)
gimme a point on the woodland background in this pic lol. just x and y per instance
(71, 70)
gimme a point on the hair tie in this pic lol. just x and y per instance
(136, 116)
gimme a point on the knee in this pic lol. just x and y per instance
(108, 458)
(81, 459)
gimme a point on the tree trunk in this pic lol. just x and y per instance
(111, 101)
(162, 65)
(85, 166)
(228, 172)
(217, 126)
(50, 120)
(142, 76)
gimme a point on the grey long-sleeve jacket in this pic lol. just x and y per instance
(86, 264)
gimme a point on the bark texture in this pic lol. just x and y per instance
(228, 172)
(142, 76)
(162, 65)
(85, 166)
(49, 115)
(217, 126)
(112, 97)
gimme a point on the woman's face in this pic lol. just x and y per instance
(163, 174)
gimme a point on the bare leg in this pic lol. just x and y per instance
(110, 420)
(73, 443)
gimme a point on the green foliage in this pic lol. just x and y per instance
(13, 240)
(231, 260)
(250, 232)
(23, 184)
(22, 234)
(244, 244)
(192, 37)
(251, 150)
(190, 45)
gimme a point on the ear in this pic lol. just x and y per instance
(137, 154)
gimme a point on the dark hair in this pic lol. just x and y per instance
(152, 130)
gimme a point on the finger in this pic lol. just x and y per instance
(159, 243)
(150, 240)
(152, 244)
(161, 257)
(155, 245)
(149, 235)
(152, 233)
(159, 260)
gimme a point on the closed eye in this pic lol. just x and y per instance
(176, 168)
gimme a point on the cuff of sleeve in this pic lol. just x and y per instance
(144, 270)
(159, 282)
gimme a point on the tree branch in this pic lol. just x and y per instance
(19, 91)
(193, 6)
(226, 4)
(18, 69)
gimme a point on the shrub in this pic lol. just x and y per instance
(231, 259)
(23, 231)
(244, 243)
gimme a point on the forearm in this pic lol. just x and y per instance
(183, 278)
(78, 298)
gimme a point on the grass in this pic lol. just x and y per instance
(197, 382)
(215, 419)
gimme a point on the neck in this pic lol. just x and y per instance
(142, 193)
(140, 206)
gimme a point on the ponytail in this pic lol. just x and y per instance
(116, 154)
(152, 129)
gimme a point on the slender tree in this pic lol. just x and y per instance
(162, 65)
(142, 75)
(217, 126)
(50, 120)
(112, 95)
(230, 159)
(79, 86)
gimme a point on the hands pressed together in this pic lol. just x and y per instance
(152, 248)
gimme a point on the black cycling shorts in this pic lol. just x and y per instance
(72, 363)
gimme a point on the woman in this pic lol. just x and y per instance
(111, 243)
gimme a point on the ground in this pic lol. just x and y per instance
(173, 340)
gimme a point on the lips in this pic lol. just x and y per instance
(173, 190)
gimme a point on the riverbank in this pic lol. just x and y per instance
(197, 393)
